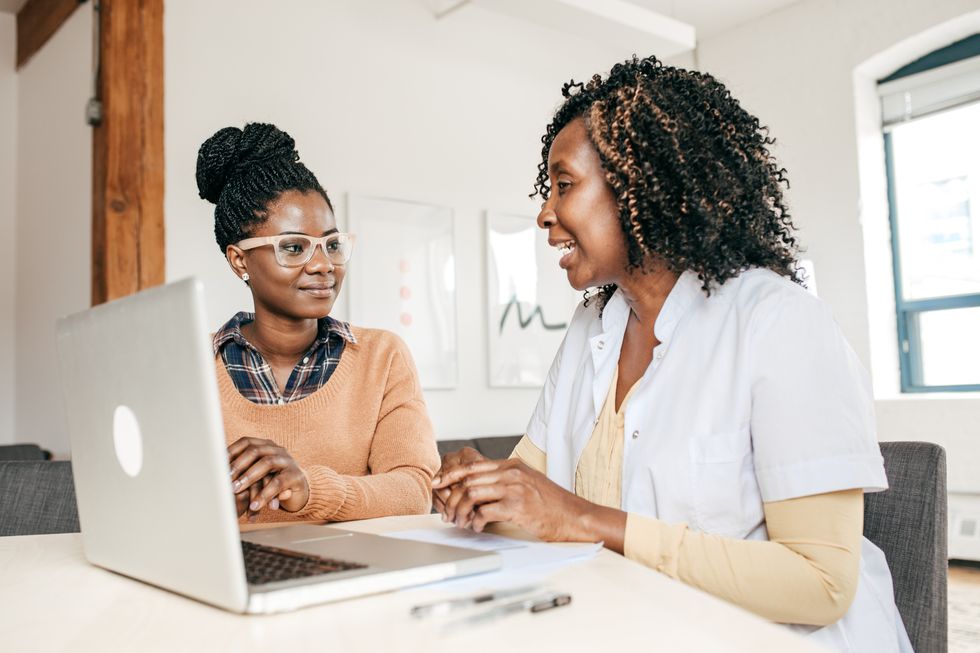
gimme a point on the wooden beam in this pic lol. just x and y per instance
(37, 21)
(127, 171)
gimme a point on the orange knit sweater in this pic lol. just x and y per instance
(364, 439)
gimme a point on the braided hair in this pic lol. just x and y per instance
(241, 171)
(690, 169)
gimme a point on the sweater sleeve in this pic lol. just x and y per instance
(807, 573)
(402, 461)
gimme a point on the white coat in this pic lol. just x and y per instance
(752, 396)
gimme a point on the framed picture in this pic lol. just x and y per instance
(402, 277)
(530, 301)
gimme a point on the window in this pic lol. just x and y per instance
(931, 118)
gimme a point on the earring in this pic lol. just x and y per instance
(245, 277)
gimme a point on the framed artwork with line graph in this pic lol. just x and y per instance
(529, 302)
(402, 277)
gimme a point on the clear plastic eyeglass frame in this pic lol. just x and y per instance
(295, 250)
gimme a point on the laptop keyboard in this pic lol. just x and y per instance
(266, 564)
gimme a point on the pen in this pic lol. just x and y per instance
(555, 601)
(441, 607)
(533, 604)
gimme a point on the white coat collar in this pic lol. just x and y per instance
(607, 344)
(682, 295)
(616, 311)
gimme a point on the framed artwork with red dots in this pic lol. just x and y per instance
(402, 278)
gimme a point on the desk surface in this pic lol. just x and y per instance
(51, 599)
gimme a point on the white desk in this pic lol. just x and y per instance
(51, 599)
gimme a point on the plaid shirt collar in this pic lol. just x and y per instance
(232, 331)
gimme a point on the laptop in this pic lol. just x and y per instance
(152, 478)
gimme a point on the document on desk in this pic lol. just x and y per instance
(515, 554)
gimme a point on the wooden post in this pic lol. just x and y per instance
(127, 171)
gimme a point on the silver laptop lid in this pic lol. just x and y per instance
(147, 444)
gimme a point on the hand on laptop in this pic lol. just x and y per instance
(265, 474)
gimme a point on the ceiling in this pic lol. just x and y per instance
(709, 17)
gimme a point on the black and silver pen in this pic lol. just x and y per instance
(448, 605)
(533, 604)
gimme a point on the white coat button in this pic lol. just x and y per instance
(600, 345)
(636, 434)
(659, 355)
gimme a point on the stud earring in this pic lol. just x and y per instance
(245, 277)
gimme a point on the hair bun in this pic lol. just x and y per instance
(230, 150)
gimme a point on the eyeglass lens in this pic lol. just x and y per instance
(294, 251)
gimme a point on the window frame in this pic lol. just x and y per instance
(907, 312)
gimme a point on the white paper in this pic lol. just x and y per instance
(515, 554)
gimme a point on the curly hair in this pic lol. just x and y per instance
(690, 169)
(241, 171)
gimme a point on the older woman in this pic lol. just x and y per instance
(704, 415)
(324, 420)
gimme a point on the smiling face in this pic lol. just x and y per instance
(305, 292)
(580, 214)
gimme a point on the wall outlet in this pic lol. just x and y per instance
(964, 526)
(968, 527)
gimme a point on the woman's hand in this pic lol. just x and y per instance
(263, 473)
(441, 495)
(483, 491)
(248, 495)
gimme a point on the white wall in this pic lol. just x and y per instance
(54, 225)
(8, 166)
(385, 100)
(382, 100)
(805, 70)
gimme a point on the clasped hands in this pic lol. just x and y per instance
(472, 491)
(263, 473)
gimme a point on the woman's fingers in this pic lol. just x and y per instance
(457, 459)
(281, 489)
(253, 493)
(460, 490)
(241, 444)
(296, 489)
(268, 495)
(260, 469)
(490, 512)
(248, 456)
(241, 502)
(454, 475)
(475, 496)
(439, 501)
(255, 472)
(265, 474)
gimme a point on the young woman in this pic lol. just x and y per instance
(704, 415)
(324, 421)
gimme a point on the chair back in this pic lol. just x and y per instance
(37, 497)
(908, 522)
(495, 447)
(23, 452)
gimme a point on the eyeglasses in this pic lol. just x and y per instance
(294, 250)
